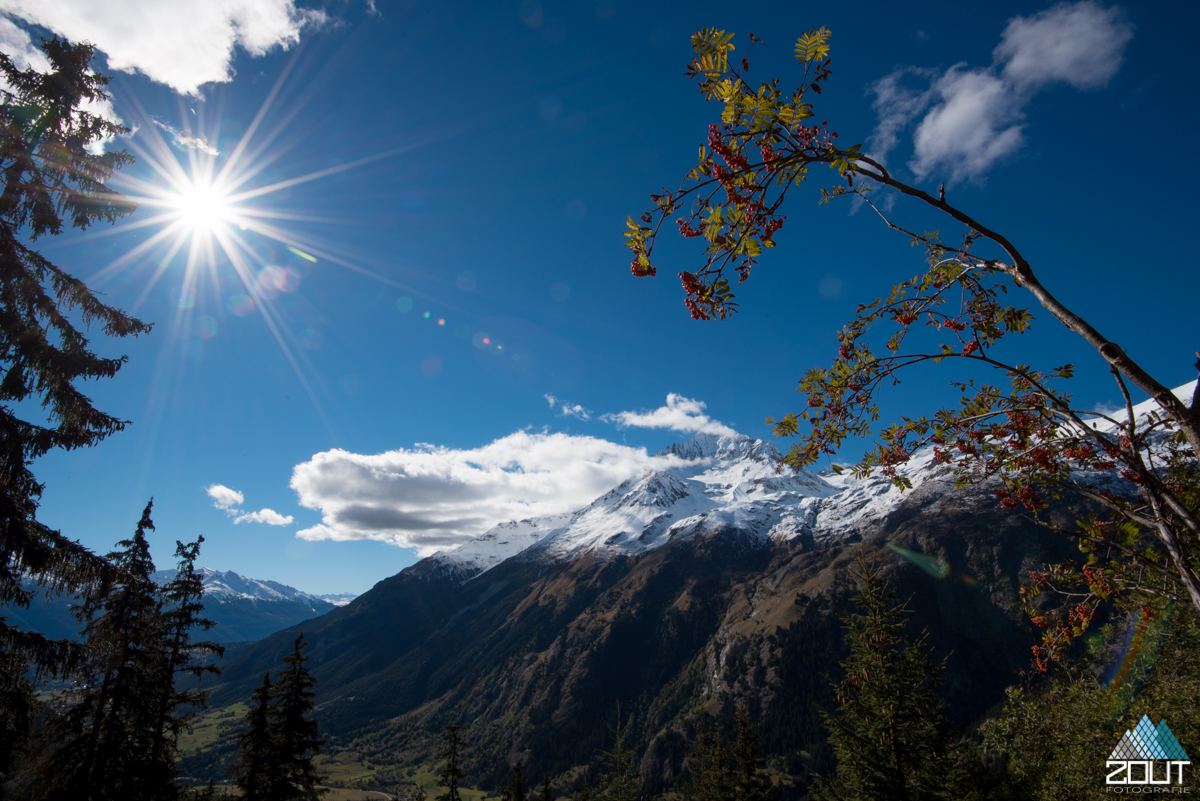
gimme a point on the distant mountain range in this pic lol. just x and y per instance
(713, 581)
(244, 609)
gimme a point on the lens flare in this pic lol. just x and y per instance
(302, 254)
(938, 568)
(1139, 644)
(212, 224)
(239, 304)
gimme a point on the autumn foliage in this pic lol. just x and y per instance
(1023, 434)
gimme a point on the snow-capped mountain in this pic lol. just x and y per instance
(499, 543)
(1143, 410)
(226, 586)
(339, 598)
(244, 609)
(247, 609)
(720, 483)
(709, 577)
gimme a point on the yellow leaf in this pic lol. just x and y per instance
(813, 45)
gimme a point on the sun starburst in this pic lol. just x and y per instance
(211, 225)
(201, 206)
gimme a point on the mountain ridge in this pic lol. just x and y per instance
(244, 609)
(714, 580)
(721, 482)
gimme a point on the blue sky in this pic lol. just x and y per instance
(422, 177)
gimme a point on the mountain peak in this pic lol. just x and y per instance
(720, 446)
(660, 489)
(226, 585)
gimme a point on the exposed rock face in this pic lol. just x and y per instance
(679, 590)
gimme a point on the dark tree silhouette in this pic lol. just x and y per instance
(296, 733)
(547, 790)
(623, 780)
(889, 734)
(275, 760)
(255, 771)
(515, 791)
(116, 731)
(452, 773)
(50, 176)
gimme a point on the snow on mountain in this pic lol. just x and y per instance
(227, 586)
(720, 483)
(338, 598)
(499, 543)
(1142, 411)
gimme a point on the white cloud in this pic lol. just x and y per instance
(680, 414)
(229, 500)
(973, 127)
(897, 103)
(431, 498)
(568, 409)
(1079, 44)
(268, 516)
(969, 119)
(223, 497)
(186, 140)
(18, 45)
(180, 43)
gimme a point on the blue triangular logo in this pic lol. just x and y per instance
(1145, 738)
(1168, 743)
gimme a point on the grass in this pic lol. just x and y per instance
(428, 780)
(348, 768)
(210, 726)
(344, 768)
(334, 794)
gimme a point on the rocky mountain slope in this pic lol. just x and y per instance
(712, 582)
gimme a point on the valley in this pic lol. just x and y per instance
(711, 584)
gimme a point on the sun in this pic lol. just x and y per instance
(200, 206)
(220, 233)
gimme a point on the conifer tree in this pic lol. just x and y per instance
(256, 771)
(890, 734)
(108, 726)
(117, 733)
(711, 778)
(182, 614)
(515, 791)
(296, 733)
(274, 761)
(749, 784)
(547, 790)
(50, 176)
(623, 780)
(718, 773)
(452, 772)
